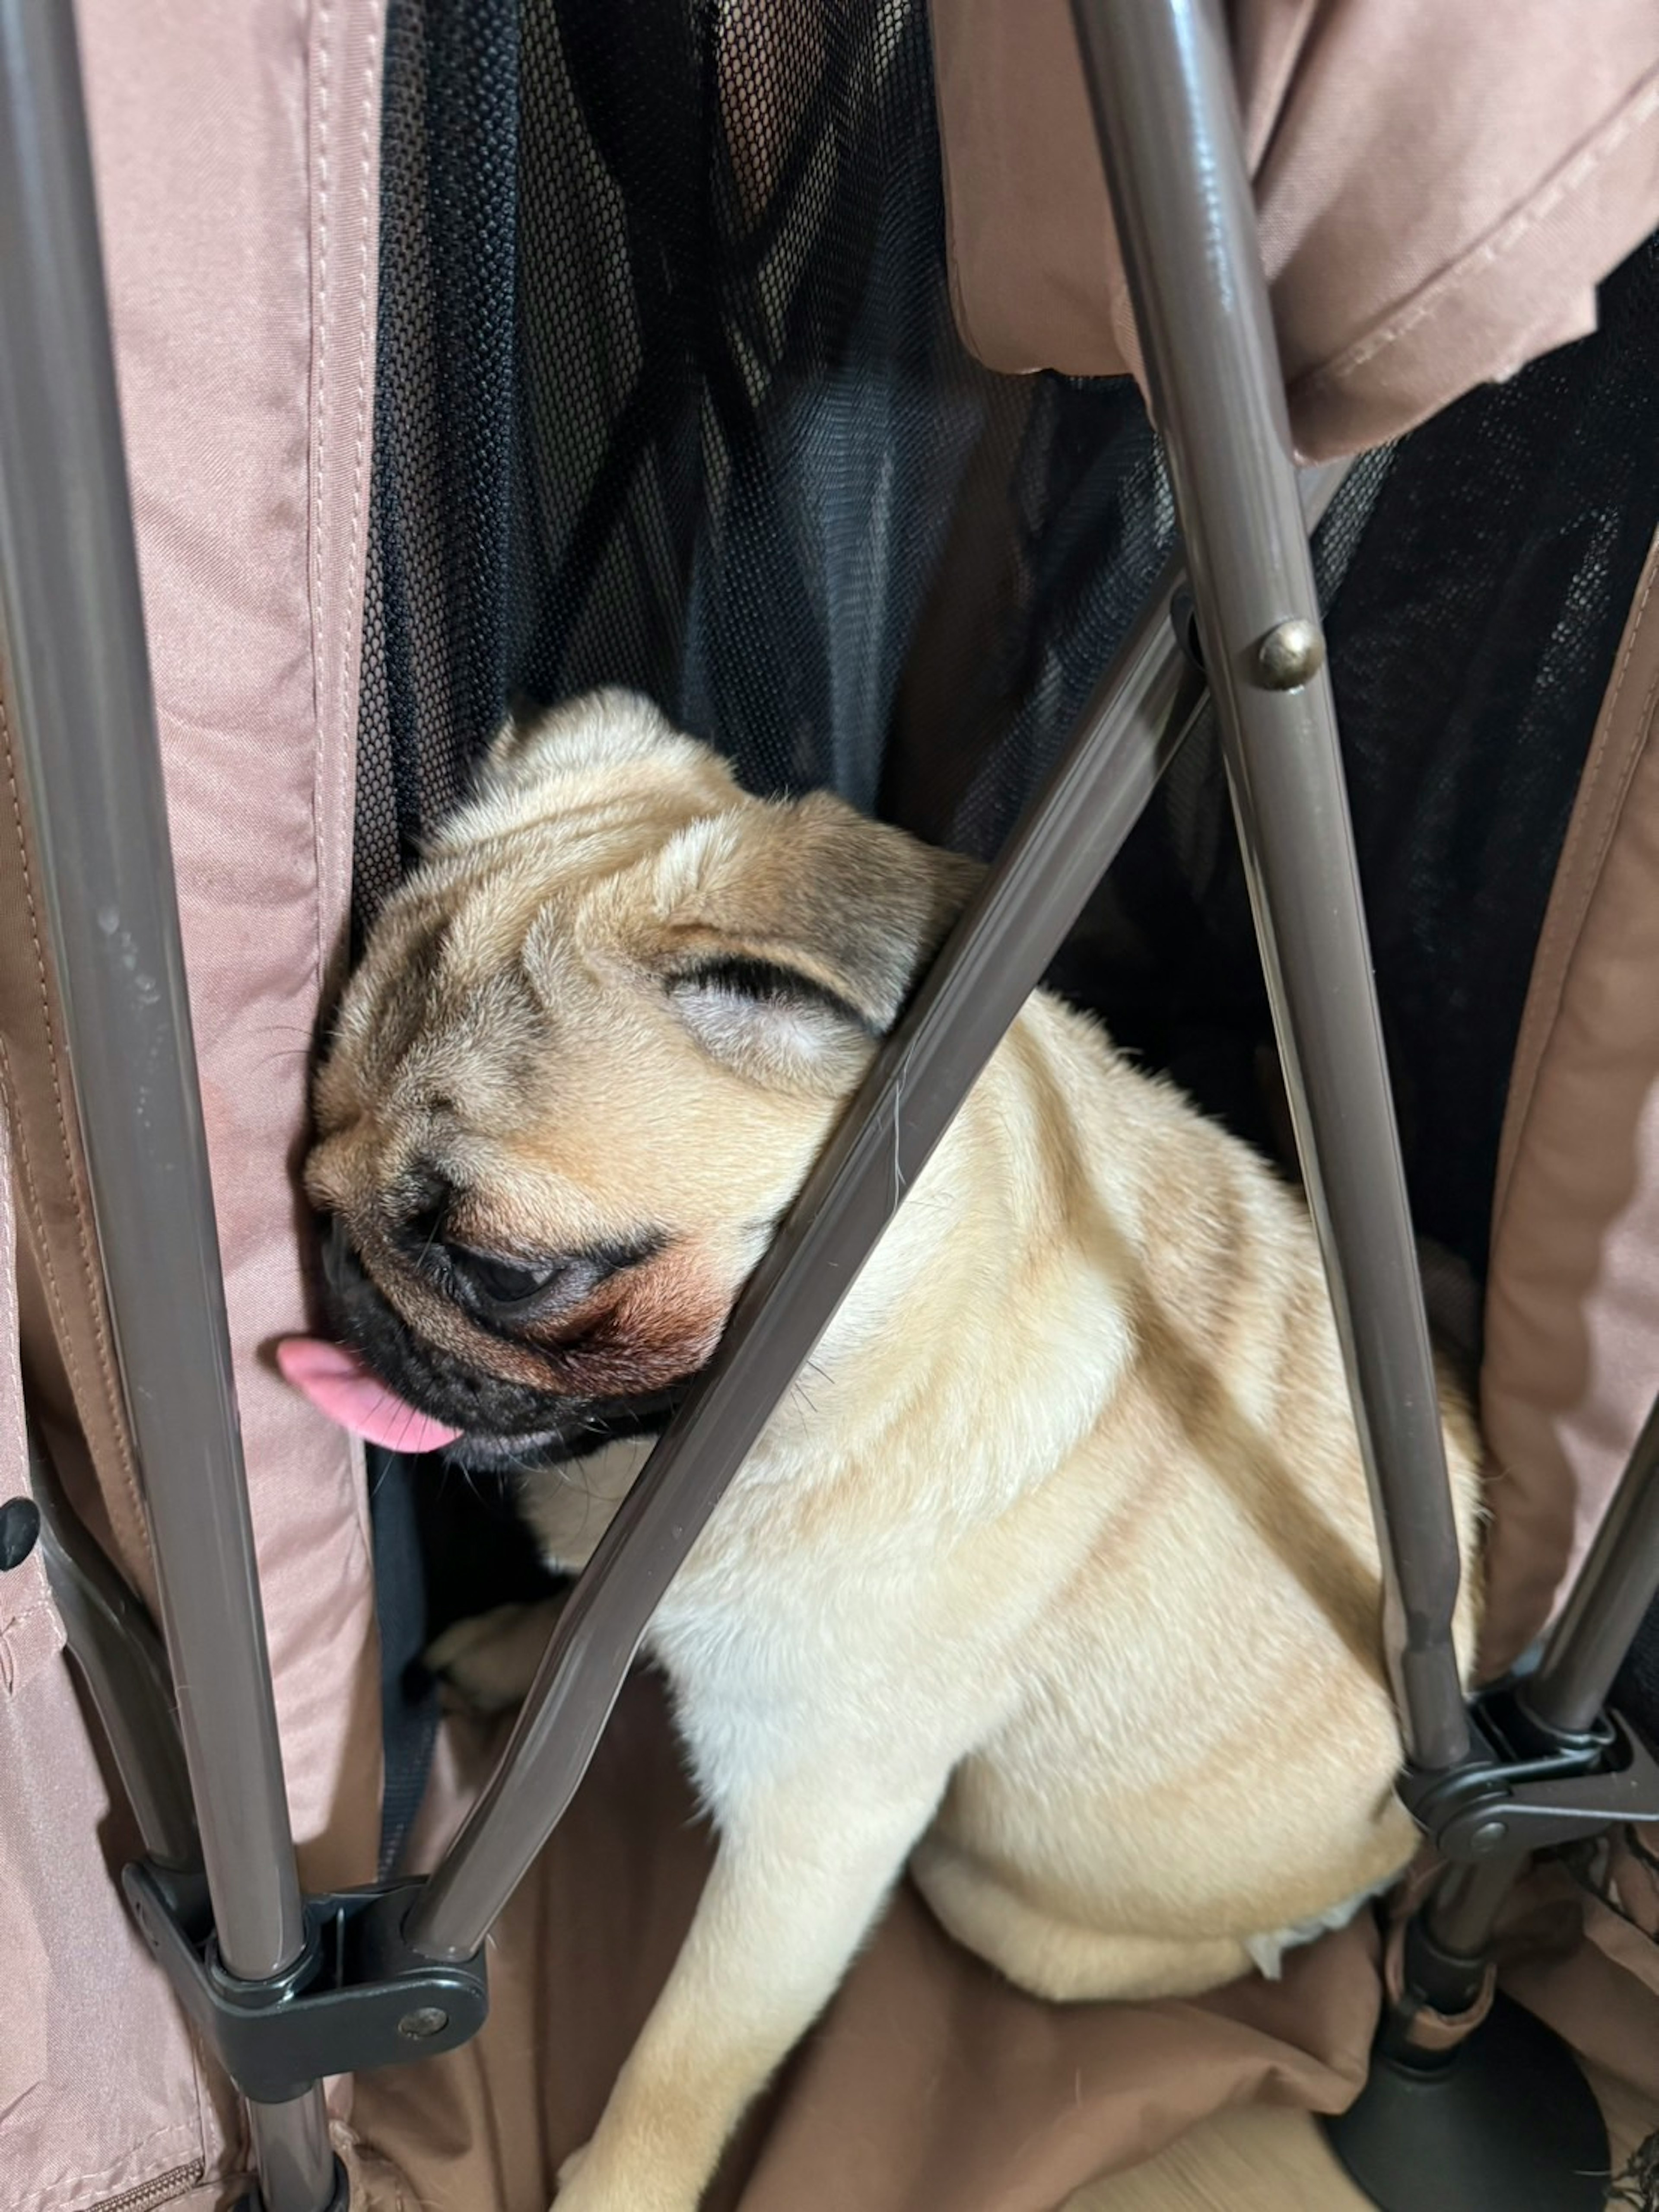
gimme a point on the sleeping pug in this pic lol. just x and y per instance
(1054, 1583)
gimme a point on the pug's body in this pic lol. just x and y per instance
(1054, 1578)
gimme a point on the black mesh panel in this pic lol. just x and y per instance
(669, 394)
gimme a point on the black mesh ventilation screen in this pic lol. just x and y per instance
(669, 394)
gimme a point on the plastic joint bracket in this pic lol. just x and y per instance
(1526, 1789)
(357, 1996)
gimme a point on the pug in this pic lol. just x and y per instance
(1054, 1581)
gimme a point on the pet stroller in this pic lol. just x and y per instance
(464, 349)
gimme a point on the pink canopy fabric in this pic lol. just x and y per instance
(1440, 189)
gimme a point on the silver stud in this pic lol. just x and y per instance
(1289, 654)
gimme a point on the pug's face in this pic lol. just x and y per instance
(591, 1052)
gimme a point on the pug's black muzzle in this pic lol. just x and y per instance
(503, 1425)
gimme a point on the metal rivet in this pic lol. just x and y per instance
(1490, 1836)
(427, 2020)
(1291, 652)
(19, 1525)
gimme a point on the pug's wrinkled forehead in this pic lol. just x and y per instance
(590, 1053)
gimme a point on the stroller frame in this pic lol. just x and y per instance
(192, 1727)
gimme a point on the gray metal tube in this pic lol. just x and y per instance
(1460, 1918)
(1160, 76)
(69, 586)
(74, 632)
(1584, 1651)
(110, 1638)
(293, 2157)
(1615, 1586)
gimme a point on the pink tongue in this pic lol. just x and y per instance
(338, 1384)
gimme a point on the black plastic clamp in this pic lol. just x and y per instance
(357, 1996)
(1522, 1789)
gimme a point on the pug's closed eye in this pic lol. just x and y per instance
(521, 1287)
(504, 1282)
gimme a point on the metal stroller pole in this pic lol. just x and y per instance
(1462, 2112)
(1608, 1602)
(1562, 1699)
(74, 635)
(1160, 75)
(110, 1637)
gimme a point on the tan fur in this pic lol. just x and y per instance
(1055, 1578)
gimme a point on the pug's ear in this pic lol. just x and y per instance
(598, 730)
(806, 929)
(771, 1022)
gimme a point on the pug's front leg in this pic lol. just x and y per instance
(803, 1867)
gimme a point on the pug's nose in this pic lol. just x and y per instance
(428, 1194)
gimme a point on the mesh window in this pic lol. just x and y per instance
(669, 394)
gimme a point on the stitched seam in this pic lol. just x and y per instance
(1504, 240)
(11, 1330)
(365, 150)
(1567, 934)
(319, 463)
(325, 901)
(36, 1213)
(101, 2177)
(114, 1405)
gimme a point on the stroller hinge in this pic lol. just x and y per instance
(1527, 1786)
(358, 1995)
